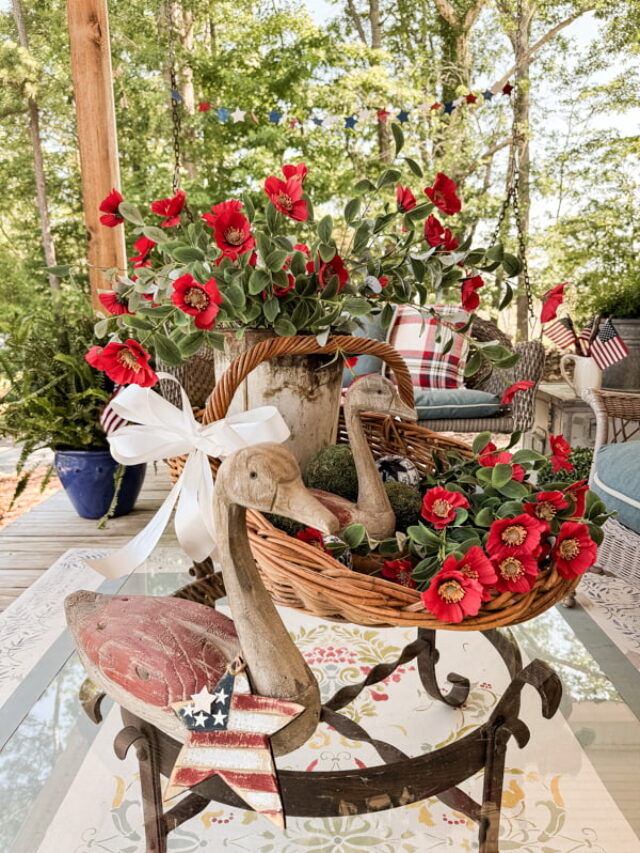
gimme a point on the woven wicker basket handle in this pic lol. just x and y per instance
(220, 400)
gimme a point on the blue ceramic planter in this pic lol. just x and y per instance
(87, 477)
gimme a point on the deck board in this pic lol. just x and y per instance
(30, 544)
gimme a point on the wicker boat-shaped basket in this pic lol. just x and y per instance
(301, 576)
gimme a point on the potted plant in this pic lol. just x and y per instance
(263, 265)
(621, 302)
(55, 400)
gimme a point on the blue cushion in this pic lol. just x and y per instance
(617, 481)
(371, 327)
(439, 403)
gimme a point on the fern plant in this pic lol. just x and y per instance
(54, 398)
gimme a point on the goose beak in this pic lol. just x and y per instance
(294, 500)
(398, 409)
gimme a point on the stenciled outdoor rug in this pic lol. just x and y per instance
(554, 801)
(615, 605)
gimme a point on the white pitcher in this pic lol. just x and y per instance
(586, 373)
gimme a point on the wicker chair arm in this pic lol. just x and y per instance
(530, 366)
(621, 405)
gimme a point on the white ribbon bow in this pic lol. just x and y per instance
(161, 431)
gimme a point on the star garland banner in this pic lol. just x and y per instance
(365, 116)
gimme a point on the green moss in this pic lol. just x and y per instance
(580, 457)
(289, 526)
(332, 469)
(406, 502)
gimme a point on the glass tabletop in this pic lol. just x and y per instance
(574, 787)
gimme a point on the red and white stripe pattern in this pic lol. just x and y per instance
(228, 735)
(561, 332)
(109, 420)
(608, 347)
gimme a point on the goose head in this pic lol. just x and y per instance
(376, 393)
(266, 477)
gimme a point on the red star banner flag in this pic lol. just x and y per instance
(228, 735)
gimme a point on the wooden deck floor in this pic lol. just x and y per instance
(33, 542)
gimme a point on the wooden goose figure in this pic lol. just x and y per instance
(149, 653)
(371, 393)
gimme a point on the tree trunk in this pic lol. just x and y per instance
(521, 108)
(384, 137)
(183, 27)
(38, 161)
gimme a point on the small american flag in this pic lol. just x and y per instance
(608, 347)
(228, 734)
(109, 420)
(561, 332)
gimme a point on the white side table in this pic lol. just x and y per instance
(559, 411)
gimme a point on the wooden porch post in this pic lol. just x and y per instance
(97, 136)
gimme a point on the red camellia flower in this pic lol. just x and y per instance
(125, 364)
(491, 456)
(405, 199)
(516, 571)
(452, 595)
(114, 302)
(468, 292)
(443, 195)
(231, 228)
(436, 235)
(399, 571)
(170, 208)
(202, 301)
(546, 505)
(574, 551)
(204, 107)
(512, 390)
(311, 536)
(298, 172)
(560, 451)
(578, 493)
(439, 506)
(551, 301)
(110, 208)
(143, 247)
(286, 196)
(518, 535)
(476, 565)
(334, 267)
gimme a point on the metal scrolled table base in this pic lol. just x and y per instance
(398, 781)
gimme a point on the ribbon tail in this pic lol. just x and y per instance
(194, 513)
(123, 561)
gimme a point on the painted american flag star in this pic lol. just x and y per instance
(230, 738)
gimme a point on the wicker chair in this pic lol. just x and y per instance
(519, 415)
(617, 420)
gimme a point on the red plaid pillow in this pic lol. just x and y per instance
(421, 341)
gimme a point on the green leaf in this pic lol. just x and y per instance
(273, 217)
(480, 442)
(398, 137)
(461, 516)
(511, 265)
(271, 309)
(423, 536)
(474, 363)
(60, 271)
(501, 475)
(388, 547)
(327, 253)
(507, 297)
(264, 243)
(415, 167)
(248, 206)
(354, 535)
(595, 533)
(389, 176)
(514, 490)
(101, 327)
(259, 280)
(166, 350)
(234, 294)
(186, 254)
(387, 316)
(191, 344)
(357, 306)
(485, 474)
(509, 509)
(325, 229)
(361, 238)
(130, 213)
(485, 517)
(352, 209)
(283, 327)
(275, 260)
(158, 235)
(495, 253)
(363, 186)
(525, 456)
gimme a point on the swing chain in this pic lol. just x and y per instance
(176, 119)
